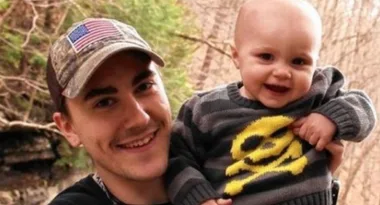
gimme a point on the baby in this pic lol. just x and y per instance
(262, 140)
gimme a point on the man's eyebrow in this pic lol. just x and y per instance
(142, 75)
(99, 91)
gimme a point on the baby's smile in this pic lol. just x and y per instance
(277, 88)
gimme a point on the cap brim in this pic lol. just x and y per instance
(84, 73)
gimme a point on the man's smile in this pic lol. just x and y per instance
(138, 143)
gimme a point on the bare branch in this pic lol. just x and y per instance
(34, 23)
(356, 168)
(56, 4)
(80, 9)
(34, 84)
(30, 107)
(195, 39)
(10, 112)
(62, 19)
(9, 125)
(25, 50)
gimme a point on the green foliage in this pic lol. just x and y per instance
(35, 39)
(73, 157)
(11, 52)
(37, 60)
(4, 4)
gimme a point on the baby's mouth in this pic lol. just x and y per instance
(277, 88)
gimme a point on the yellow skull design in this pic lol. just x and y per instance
(263, 147)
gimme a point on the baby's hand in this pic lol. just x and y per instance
(218, 202)
(316, 129)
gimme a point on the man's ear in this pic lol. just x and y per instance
(235, 54)
(65, 126)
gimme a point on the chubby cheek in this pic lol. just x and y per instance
(251, 78)
(303, 86)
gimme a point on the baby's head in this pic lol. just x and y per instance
(276, 48)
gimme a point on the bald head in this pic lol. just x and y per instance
(292, 14)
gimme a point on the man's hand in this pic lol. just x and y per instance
(336, 148)
(218, 202)
(315, 128)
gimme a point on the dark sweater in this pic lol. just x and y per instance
(84, 192)
(222, 141)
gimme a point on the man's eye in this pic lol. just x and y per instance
(266, 56)
(144, 86)
(298, 61)
(105, 103)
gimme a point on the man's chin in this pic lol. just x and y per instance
(152, 172)
(146, 176)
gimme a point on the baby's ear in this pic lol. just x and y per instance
(234, 54)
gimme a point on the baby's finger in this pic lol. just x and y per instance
(313, 139)
(321, 144)
(298, 123)
(296, 131)
(302, 132)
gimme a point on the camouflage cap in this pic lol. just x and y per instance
(75, 56)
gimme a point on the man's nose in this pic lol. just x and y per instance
(136, 115)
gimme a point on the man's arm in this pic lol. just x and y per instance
(336, 149)
(185, 182)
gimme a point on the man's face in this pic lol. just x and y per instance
(276, 56)
(123, 119)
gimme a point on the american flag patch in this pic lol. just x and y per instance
(91, 31)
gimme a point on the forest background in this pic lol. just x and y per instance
(193, 36)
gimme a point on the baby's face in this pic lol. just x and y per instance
(276, 55)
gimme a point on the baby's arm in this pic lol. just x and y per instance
(184, 179)
(347, 115)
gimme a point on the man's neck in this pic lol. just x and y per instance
(135, 192)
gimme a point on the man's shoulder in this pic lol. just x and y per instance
(85, 191)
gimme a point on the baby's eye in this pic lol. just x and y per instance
(106, 102)
(266, 56)
(298, 61)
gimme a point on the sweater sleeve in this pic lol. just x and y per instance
(352, 111)
(184, 180)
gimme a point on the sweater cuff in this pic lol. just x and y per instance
(336, 112)
(197, 194)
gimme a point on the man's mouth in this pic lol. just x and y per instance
(138, 143)
(277, 88)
